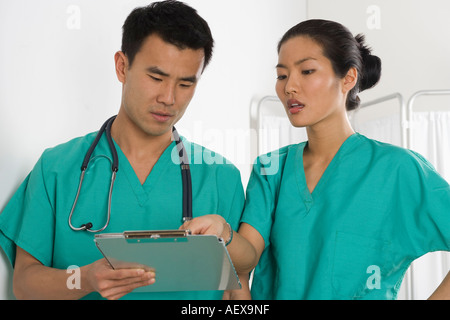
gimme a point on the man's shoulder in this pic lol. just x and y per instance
(69, 151)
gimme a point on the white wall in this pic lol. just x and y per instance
(57, 77)
(410, 36)
(243, 67)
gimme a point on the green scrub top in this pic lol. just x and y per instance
(376, 209)
(36, 218)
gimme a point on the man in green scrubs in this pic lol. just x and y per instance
(166, 47)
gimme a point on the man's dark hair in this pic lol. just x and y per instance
(175, 22)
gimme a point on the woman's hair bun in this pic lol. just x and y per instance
(344, 50)
(371, 72)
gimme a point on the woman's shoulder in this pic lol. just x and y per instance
(395, 156)
(283, 151)
(273, 163)
(278, 154)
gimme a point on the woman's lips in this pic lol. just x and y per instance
(295, 106)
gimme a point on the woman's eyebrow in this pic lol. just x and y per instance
(299, 62)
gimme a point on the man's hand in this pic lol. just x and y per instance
(114, 284)
(33, 280)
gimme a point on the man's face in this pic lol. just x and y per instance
(159, 85)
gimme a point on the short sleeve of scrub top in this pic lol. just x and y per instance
(34, 212)
(36, 217)
(376, 207)
(262, 191)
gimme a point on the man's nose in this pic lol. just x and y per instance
(166, 94)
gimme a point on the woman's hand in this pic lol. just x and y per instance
(213, 224)
(245, 247)
(240, 294)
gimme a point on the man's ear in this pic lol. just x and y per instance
(350, 80)
(121, 63)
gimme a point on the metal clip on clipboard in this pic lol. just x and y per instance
(204, 259)
(170, 235)
(157, 234)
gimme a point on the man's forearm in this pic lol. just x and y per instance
(38, 282)
(32, 280)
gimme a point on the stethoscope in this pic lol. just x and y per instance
(185, 176)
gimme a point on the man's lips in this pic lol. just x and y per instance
(295, 106)
(161, 116)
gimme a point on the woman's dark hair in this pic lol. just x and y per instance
(175, 22)
(344, 51)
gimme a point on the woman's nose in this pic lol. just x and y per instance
(291, 86)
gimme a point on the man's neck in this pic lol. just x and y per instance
(141, 149)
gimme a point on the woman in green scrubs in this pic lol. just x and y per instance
(340, 216)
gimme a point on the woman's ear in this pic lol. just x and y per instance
(121, 63)
(350, 80)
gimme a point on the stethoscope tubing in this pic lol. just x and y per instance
(185, 176)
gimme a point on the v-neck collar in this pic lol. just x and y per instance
(307, 196)
(142, 191)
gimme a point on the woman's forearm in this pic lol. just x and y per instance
(443, 291)
(243, 254)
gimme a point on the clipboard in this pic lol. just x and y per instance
(181, 261)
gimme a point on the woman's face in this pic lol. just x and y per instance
(311, 92)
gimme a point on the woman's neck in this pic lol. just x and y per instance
(324, 140)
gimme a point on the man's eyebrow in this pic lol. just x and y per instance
(192, 79)
(299, 62)
(158, 71)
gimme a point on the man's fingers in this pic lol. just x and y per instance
(119, 274)
(116, 288)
